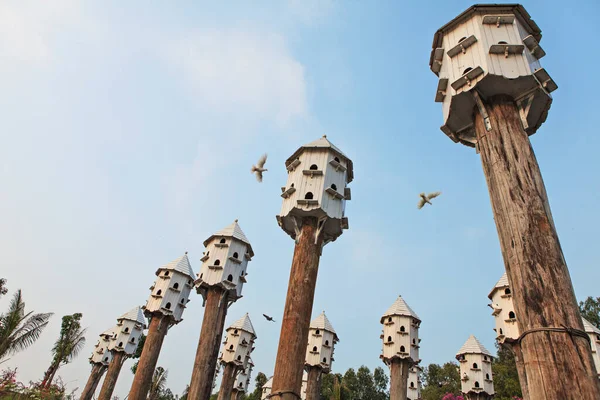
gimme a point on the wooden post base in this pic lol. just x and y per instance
(90, 387)
(142, 381)
(205, 363)
(399, 369)
(289, 365)
(558, 365)
(112, 374)
(313, 386)
(229, 374)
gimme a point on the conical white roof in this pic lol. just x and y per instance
(244, 324)
(269, 383)
(135, 314)
(109, 331)
(589, 327)
(473, 346)
(182, 264)
(233, 231)
(400, 308)
(321, 322)
(502, 283)
(323, 143)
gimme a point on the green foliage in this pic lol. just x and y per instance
(138, 353)
(12, 389)
(505, 375)
(3, 289)
(159, 383)
(18, 329)
(259, 382)
(68, 345)
(360, 385)
(590, 310)
(440, 380)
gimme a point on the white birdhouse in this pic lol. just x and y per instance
(239, 342)
(503, 311)
(490, 50)
(594, 334)
(243, 379)
(101, 353)
(318, 175)
(268, 386)
(128, 331)
(171, 291)
(400, 333)
(225, 261)
(475, 367)
(413, 390)
(321, 341)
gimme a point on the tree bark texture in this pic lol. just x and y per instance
(236, 395)
(142, 380)
(289, 364)
(313, 386)
(227, 382)
(558, 366)
(92, 383)
(211, 332)
(516, 349)
(399, 369)
(112, 374)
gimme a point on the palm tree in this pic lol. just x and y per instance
(159, 381)
(67, 346)
(19, 330)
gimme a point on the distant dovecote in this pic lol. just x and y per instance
(266, 390)
(503, 311)
(321, 342)
(594, 334)
(101, 353)
(128, 331)
(400, 333)
(243, 379)
(239, 343)
(475, 368)
(414, 384)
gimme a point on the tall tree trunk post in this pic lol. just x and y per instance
(289, 365)
(112, 374)
(399, 368)
(142, 380)
(313, 385)
(228, 381)
(516, 350)
(558, 364)
(207, 352)
(98, 370)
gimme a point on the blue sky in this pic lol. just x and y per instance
(128, 131)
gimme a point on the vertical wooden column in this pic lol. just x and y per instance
(229, 373)
(142, 381)
(516, 349)
(236, 395)
(558, 365)
(313, 386)
(205, 363)
(112, 374)
(399, 369)
(98, 370)
(289, 364)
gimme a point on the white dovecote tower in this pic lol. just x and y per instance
(268, 387)
(489, 50)
(171, 291)
(414, 384)
(321, 342)
(128, 331)
(400, 333)
(101, 354)
(318, 175)
(594, 334)
(243, 379)
(475, 368)
(503, 311)
(225, 262)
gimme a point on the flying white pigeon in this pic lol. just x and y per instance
(258, 168)
(425, 199)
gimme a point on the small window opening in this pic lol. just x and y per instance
(158, 292)
(168, 306)
(132, 340)
(222, 240)
(175, 285)
(402, 329)
(507, 291)
(502, 42)
(235, 255)
(182, 301)
(327, 343)
(105, 358)
(389, 319)
(314, 348)
(217, 262)
(314, 167)
(474, 365)
(325, 359)
(402, 349)
(235, 331)
(336, 159)
(462, 38)
(467, 70)
(201, 276)
(485, 358)
(120, 344)
(412, 384)
(240, 385)
(230, 278)
(308, 196)
(389, 338)
(239, 358)
(231, 347)
(126, 330)
(414, 341)
(511, 315)
(487, 376)
(333, 186)
(317, 331)
(292, 185)
(501, 331)
(166, 273)
(189, 281)
(476, 384)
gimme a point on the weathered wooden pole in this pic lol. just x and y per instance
(322, 339)
(399, 378)
(229, 374)
(112, 374)
(499, 95)
(168, 298)
(90, 387)
(313, 214)
(220, 282)
(313, 386)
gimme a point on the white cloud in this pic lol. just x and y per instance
(242, 73)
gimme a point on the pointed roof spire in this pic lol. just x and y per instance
(181, 264)
(321, 322)
(244, 324)
(400, 308)
(473, 346)
(323, 143)
(233, 230)
(502, 283)
(135, 314)
(589, 327)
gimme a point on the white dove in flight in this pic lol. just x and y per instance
(258, 168)
(425, 199)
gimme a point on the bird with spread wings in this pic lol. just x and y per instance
(258, 168)
(268, 318)
(425, 199)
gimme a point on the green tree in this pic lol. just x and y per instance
(184, 395)
(259, 382)
(159, 383)
(381, 383)
(138, 353)
(440, 380)
(351, 383)
(505, 375)
(590, 310)
(3, 289)
(67, 346)
(18, 329)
